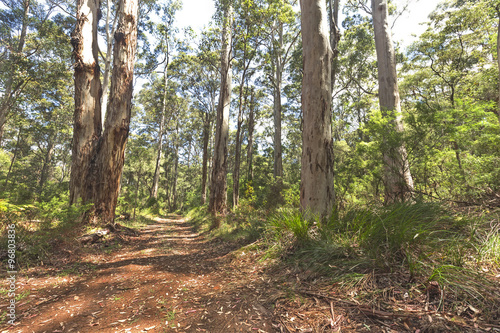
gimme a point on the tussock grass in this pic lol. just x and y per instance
(289, 220)
(406, 246)
(244, 225)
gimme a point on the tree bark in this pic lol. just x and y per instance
(156, 177)
(139, 174)
(13, 160)
(316, 191)
(251, 125)
(278, 155)
(176, 170)
(168, 171)
(334, 36)
(218, 190)
(111, 149)
(87, 116)
(398, 181)
(110, 31)
(46, 165)
(11, 90)
(237, 153)
(206, 137)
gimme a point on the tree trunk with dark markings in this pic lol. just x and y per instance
(111, 147)
(316, 190)
(218, 190)
(87, 116)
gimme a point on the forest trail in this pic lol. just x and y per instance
(167, 279)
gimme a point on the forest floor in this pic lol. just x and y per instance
(169, 278)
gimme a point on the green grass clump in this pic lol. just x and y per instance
(290, 220)
(243, 225)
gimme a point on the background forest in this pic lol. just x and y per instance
(449, 89)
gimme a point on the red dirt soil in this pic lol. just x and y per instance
(169, 278)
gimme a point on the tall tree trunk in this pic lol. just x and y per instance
(168, 172)
(237, 153)
(398, 181)
(111, 150)
(278, 156)
(139, 174)
(176, 170)
(110, 31)
(156, 177)
(14, 156)
(218, 190)
(206, 137)
(87, 116)
(251, 126)
(11, 91)
(317, 192)
(46, 165)
(334, 36)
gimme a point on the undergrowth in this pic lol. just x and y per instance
(244, 225)
(39, 227)
(416, 243)
(365, 249)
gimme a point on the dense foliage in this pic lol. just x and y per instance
(448, 86)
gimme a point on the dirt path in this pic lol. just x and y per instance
(168, 279)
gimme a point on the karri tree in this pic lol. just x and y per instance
(218, 190)
(398, 181)
(98, 158)
(87, 117)
(316, 190)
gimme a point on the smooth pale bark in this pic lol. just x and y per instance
(176, 170)
(316, 189)
(110, 31)
(218, 190)
(278, 67)
(12, 90)
(398, 181)
(87, 124)
(156, 177)
(206, 137)
(251, 127)
(44, 175)
(111, 150)
(334, 36)
(167, 177)
(138, 181)
(237, 152)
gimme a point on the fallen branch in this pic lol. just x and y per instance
(92, 238)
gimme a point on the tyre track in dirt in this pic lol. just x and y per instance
(168, 279)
